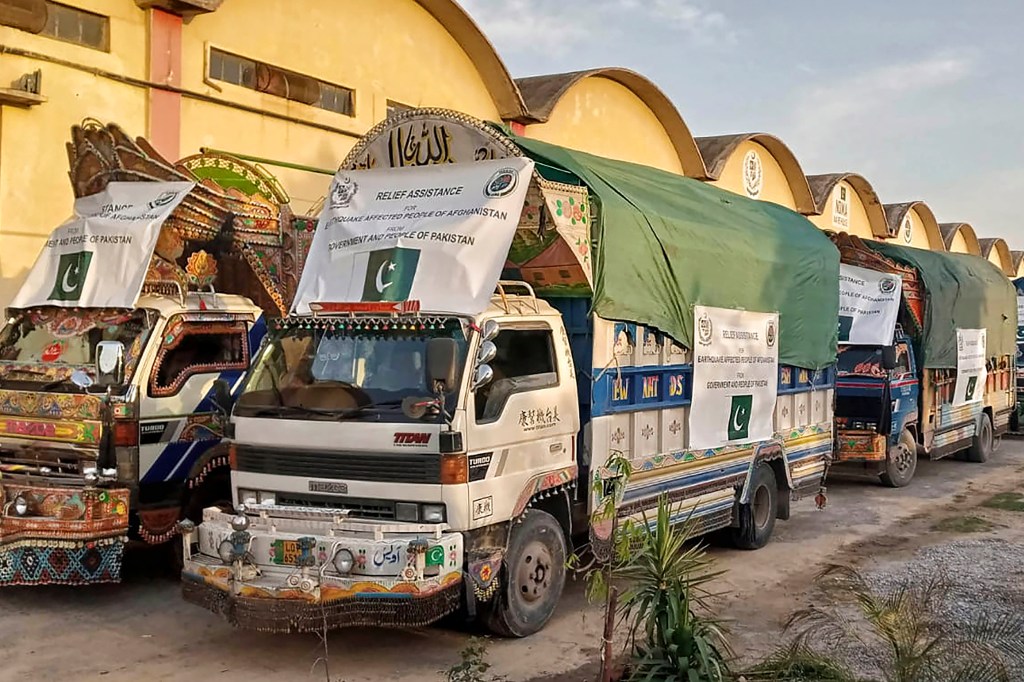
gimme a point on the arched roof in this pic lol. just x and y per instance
(542, 93)
(988, 244)
(1018, 259)
(492, 69)
(821, 189)
(950, 230)
(717, 149)
(895, 213)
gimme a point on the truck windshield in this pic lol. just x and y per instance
(326, 374)
(42, 346)
(861, 361)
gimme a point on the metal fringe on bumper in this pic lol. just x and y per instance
(61, 562)
(293, 615)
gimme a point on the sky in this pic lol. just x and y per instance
(925, 98)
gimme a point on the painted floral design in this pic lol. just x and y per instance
(571, 211)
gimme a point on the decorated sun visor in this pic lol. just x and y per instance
(99, 258)
(431, 237)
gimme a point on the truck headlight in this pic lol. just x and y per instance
(407, 511)
(20, 506)
(433, 513)
(343, 561)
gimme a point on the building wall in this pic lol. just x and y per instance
(844, 212)
(917, 231)
(35, 195)
(600, 116)
(385, 50)
(774, 186)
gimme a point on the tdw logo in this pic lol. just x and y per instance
(771, 334)
(407, 439)
(71, 272)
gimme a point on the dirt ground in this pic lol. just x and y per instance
(143, 630)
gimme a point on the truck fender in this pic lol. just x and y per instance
(773, 454)
(214, 458)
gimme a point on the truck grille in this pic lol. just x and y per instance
(350, 466)
(54, 465)
(365, 509)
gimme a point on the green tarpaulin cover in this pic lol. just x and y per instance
(665, 243)
(961, 291)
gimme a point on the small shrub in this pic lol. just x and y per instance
(473, 666)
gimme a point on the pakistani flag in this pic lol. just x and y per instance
(389, 274)
(972, 384)
(71, 272)
(739, 416)
(845, 325)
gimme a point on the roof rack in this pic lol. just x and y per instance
(503, 294)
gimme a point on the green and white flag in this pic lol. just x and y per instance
(99, 258)
(971, 373)
(438, 235)
(735, 377)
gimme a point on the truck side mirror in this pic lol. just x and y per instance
(443, 364)
(222, 395)
(888, 357)
(109, 363)
(490, 330)
(486, 353)
(484, 375)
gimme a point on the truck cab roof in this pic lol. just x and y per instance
(195, 302)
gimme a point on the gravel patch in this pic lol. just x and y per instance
(985, 578)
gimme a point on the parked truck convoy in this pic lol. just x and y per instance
(946, 381)
(400, 452)
(110, 415)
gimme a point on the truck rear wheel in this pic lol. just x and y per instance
(533, 579)
(900, 462)
(981, 448)
(757, 517)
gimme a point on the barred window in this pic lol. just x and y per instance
(261, 77)
(74, 25)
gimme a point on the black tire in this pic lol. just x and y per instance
(981, 448)
(533, 577)
(900, 462)
(757, 517)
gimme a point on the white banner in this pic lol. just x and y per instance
(438, 235)
(869, 303)
(99, 258)
(735, 377)
(971, 351)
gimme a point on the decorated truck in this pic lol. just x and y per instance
(475, 348)
(926, 359)
(122, 351)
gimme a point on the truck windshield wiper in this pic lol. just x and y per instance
(271, 410)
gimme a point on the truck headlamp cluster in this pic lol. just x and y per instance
(343, 561)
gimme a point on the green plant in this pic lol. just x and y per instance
(473, 665)
(903, 632)
(1013, 502)
(664, 599)
(963, 524)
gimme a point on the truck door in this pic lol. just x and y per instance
(178, 418)
(903, 390)
(523, 422)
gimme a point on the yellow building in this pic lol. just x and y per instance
(998, 253)
(960, 238)
(846, 202)
(913, 224)
(615, 113)
(758, 166)
(268, 78)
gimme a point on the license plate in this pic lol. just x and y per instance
(286, 552)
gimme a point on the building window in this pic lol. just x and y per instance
(254, 75)
(395, 108)
(77, 26)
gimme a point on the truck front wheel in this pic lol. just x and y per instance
(900, 462)
(981, 448)
(533, 578)
(757, 517)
